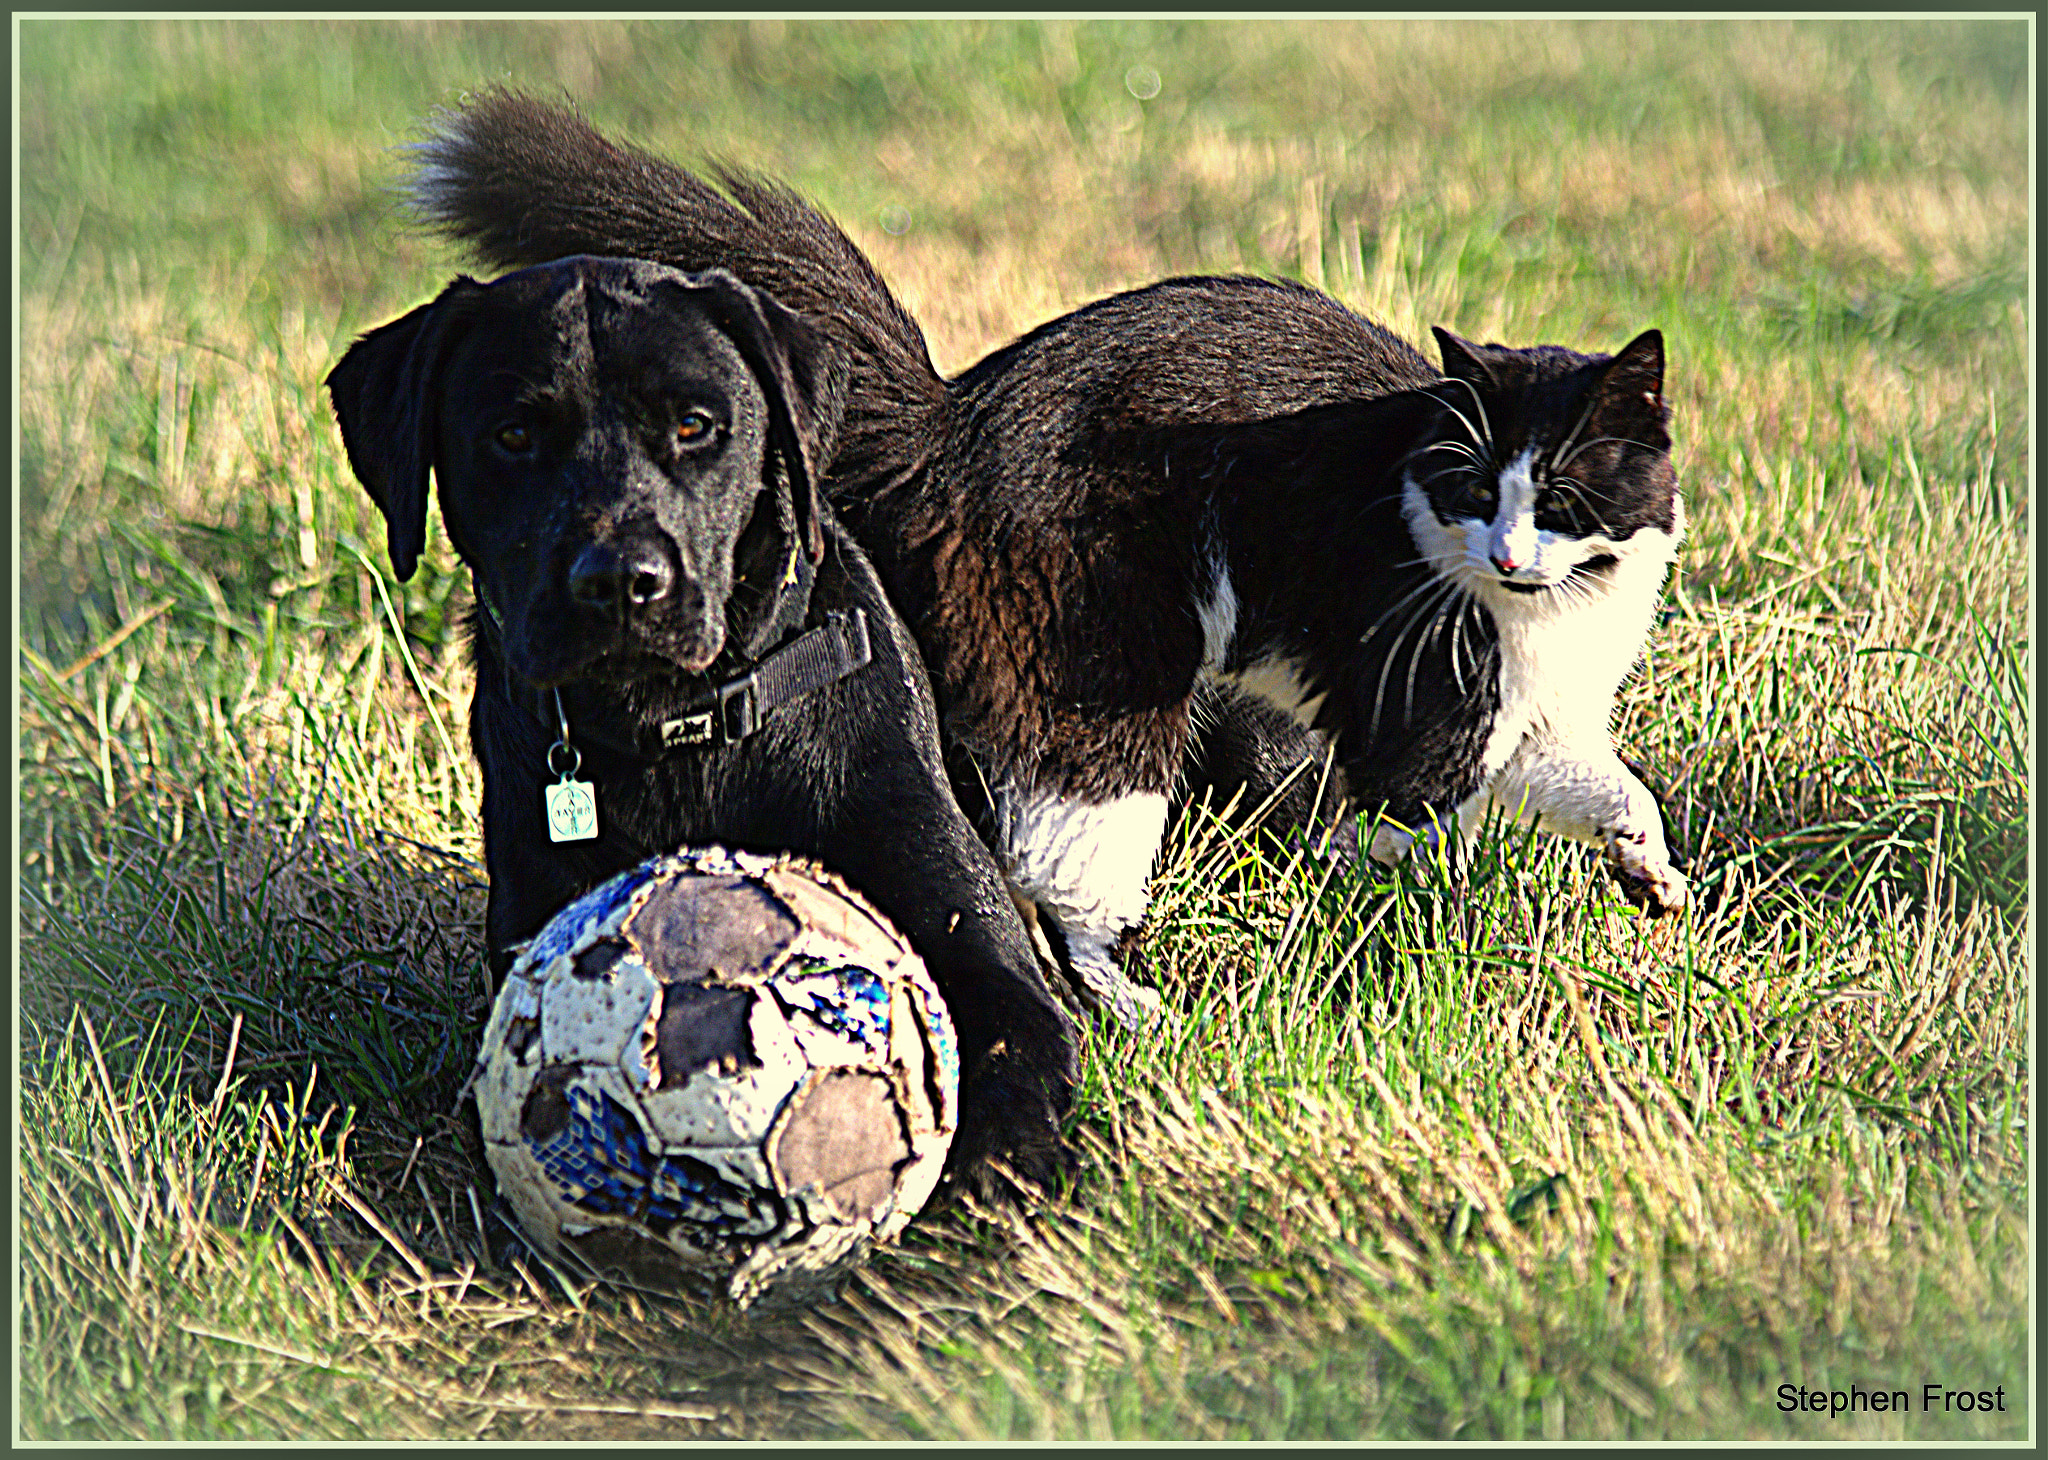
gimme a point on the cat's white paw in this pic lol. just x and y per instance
(1084, 866)
(1645, 877)
(1392, 843)
(1107, 990)
(1092, 983)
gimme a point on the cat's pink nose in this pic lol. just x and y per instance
(1507, 566)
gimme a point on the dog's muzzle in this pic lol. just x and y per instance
(621, 580)
(633, 590)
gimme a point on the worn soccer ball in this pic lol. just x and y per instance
(718, 1070)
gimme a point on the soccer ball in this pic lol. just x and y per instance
(718, 1070)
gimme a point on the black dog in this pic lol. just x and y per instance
(670, 615)
(1046, 579)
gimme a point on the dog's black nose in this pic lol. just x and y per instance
(619, 579)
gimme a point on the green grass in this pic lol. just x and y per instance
(1468, 1152)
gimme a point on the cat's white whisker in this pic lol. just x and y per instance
(1566, 460)
(1452, 472)
(1482, 434)
(1423, 641)
(1426, 611)
(1468, 607)
(1564, 444)
(1578, 490)
(1427, 585)
(1470, 453)
(1386, 667)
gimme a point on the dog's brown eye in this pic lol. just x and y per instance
(694, 426)
(515, 438)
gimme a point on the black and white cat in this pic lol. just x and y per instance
(1509, 530)
(1195, 496)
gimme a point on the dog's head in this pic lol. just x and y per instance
(627, 456)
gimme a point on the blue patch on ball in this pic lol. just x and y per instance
(603, 1166)
(849, 1000)
(593, 907)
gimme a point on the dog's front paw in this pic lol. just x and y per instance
(1009, 1150)
(1646, 879)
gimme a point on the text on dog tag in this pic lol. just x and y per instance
(572, 811)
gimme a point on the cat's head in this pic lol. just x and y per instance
(1547, 470)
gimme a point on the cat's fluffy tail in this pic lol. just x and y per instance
(520, 181)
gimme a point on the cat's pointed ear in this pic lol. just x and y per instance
(1636, 375)
(1630, 396)
(1461, 360)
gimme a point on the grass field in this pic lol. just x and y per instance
(1479, 1156)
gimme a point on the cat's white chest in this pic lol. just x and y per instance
(1563, 659)
(1557, 677)
(1564, 651)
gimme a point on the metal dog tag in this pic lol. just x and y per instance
(572, 804)
(572, 812)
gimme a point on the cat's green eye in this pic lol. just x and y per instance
(515, 439)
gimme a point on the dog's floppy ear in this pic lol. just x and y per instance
(799, 373)
(383, 393)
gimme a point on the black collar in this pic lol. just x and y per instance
(727, 712)
(737, 708)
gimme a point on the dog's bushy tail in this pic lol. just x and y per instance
(520, 181)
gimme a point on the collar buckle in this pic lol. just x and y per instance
(739, 706)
